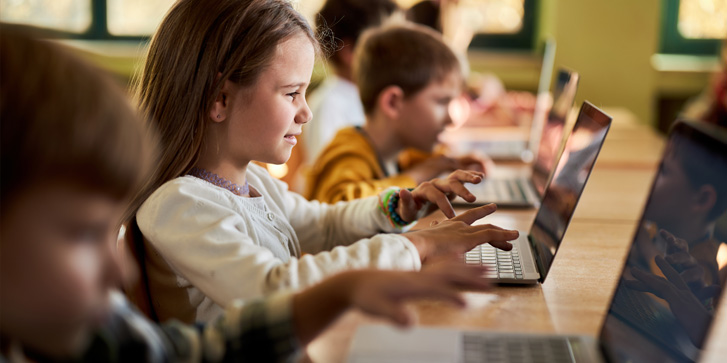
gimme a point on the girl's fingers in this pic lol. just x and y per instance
(441, 200)
(475, 214)
(503, 245)
(409, 206)
(484, 227)
(460, 190)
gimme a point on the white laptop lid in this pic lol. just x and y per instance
(542, 101)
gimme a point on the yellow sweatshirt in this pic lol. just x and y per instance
(348, 168)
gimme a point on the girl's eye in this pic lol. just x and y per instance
(293, 95)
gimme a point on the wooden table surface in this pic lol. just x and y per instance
(576, 294)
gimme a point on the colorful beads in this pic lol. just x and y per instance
(388, 203)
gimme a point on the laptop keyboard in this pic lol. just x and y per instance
(516, 349)
(501, 264)
(502, 189)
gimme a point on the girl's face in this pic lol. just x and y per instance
(266, 118)
(57, 265)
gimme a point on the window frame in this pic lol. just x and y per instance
(522, 40)
(672, 41)
(97, 29)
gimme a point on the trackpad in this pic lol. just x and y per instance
(383, 343)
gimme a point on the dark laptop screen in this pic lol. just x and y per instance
(671, 282)
(569, 179)
(550, 140)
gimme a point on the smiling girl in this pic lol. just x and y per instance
(224, 83)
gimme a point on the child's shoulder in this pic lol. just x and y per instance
(183, 188)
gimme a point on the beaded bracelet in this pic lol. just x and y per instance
(388, 202)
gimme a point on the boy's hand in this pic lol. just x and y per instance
(456, 236)
(431, 168)
(380, 293)
(437, 193)
(384, 293)
(475, 162)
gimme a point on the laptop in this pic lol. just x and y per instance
(532, 254)
(639, 326)
(520, 149)
(527, 190)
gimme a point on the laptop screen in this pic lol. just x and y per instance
(550, 139)
(569, 179)
(670, 285)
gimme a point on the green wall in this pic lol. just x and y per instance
(610, 43)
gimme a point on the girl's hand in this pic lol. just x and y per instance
(437, 193)
(384, 293)
(456, 236)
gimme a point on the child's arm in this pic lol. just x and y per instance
(380, 293)
(276, 328)
(218, 250)
(350, 177)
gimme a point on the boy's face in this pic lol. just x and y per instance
(426, 114)
(57, 264)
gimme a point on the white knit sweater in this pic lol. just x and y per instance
(224, 247)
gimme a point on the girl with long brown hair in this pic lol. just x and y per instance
(224, 83)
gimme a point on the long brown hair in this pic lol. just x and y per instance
(198, 46)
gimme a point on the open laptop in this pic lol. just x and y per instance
(532, 254)
(639, 326)
(527, 190)
(524, 149)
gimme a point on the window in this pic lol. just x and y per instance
(506, 24)
(693, 26)
(135, 17)
(73, 16)
(89, 19)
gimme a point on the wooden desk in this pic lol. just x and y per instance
(577, 292)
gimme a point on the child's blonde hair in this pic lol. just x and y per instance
(405, 55)
(64, 120)
(198, 46)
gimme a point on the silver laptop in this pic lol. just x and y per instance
(639, 326)
(520, 149)
(527, 190)
(532, 254)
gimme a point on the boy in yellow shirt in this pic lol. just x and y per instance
(407, 77)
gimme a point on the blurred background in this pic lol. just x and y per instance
(647, 56)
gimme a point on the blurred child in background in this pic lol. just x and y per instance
(407, 79)
(335, 103)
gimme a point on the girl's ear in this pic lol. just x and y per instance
(219, 110)
(391, 101)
